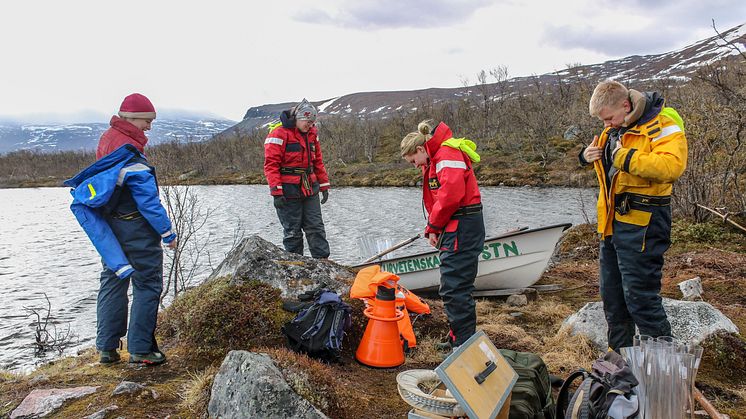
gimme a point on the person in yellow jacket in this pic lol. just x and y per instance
(640, 153)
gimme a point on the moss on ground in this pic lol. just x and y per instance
(218, 316)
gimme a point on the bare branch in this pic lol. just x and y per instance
(728, 43)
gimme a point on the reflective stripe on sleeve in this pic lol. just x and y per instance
(324, 184)
(137, 167)
(166, 234)
(453, 164)
(273, 140)
(665, 132)
(123, 269)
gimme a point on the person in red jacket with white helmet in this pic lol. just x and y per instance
(295, 172)
(455, 225)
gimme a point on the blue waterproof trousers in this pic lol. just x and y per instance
(302, 215)
(142, 246)
(631, 270)
(459, 256)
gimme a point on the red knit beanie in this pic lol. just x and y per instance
(137, 106)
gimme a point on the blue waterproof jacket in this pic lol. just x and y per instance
(94, 188)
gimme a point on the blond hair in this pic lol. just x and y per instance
(413, 140)
(607, 93)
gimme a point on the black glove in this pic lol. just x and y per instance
(279, 201)
(324, 196)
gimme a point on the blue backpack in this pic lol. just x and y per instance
(319, 329)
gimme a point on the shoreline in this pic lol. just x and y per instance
(348, 181)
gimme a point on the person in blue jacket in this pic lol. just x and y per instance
(116, 202)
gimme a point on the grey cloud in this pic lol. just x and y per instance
(385, 14)
(606, 42)
(673, 23)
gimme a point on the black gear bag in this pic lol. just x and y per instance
(318, 330)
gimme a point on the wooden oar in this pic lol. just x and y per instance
(392, 248)
(706, 405)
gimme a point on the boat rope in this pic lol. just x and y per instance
(408, 383)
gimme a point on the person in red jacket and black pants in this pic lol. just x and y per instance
(294, 167)
(455, 225)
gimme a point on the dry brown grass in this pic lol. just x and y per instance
(8, 376)
(564, 353)
(426, 352)
(195, 393)
(537, 330)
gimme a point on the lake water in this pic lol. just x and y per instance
(44, 251)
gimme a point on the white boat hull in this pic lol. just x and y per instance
(512, 260)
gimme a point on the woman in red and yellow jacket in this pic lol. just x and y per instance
(455, 225)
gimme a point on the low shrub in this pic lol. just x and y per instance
(220, 316)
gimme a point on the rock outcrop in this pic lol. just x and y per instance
(691, 321)
(249, 385)
(101, 414)
(127, 387)
(40, 403)
(257, 259)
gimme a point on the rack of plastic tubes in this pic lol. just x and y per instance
(666, 369)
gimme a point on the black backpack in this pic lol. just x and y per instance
(608, 387)
(319, 329)
(531, 397)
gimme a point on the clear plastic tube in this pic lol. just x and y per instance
(666, 369)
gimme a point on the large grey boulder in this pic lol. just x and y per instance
(40, 403)
(257, 259)
(691, 321)
(249, 385)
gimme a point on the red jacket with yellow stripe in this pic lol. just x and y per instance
(293, 162)
(448, 181)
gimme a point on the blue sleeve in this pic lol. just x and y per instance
(144, 190)
(103, 239)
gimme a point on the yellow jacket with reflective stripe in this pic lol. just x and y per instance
(652, 157)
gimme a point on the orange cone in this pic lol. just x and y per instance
(380, 346)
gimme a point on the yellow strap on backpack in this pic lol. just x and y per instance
(465, 145)
(671, 113)
(274, 125)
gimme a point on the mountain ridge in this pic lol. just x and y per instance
(679, 64)
(48, 137)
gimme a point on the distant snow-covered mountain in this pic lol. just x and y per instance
(170, 125)
(677, 65)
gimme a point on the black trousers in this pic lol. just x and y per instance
(142, 246)
(631, 269)
(302, 215)
(459, 256)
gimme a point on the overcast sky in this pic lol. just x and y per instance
(225, 56)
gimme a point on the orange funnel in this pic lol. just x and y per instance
(381, 346)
